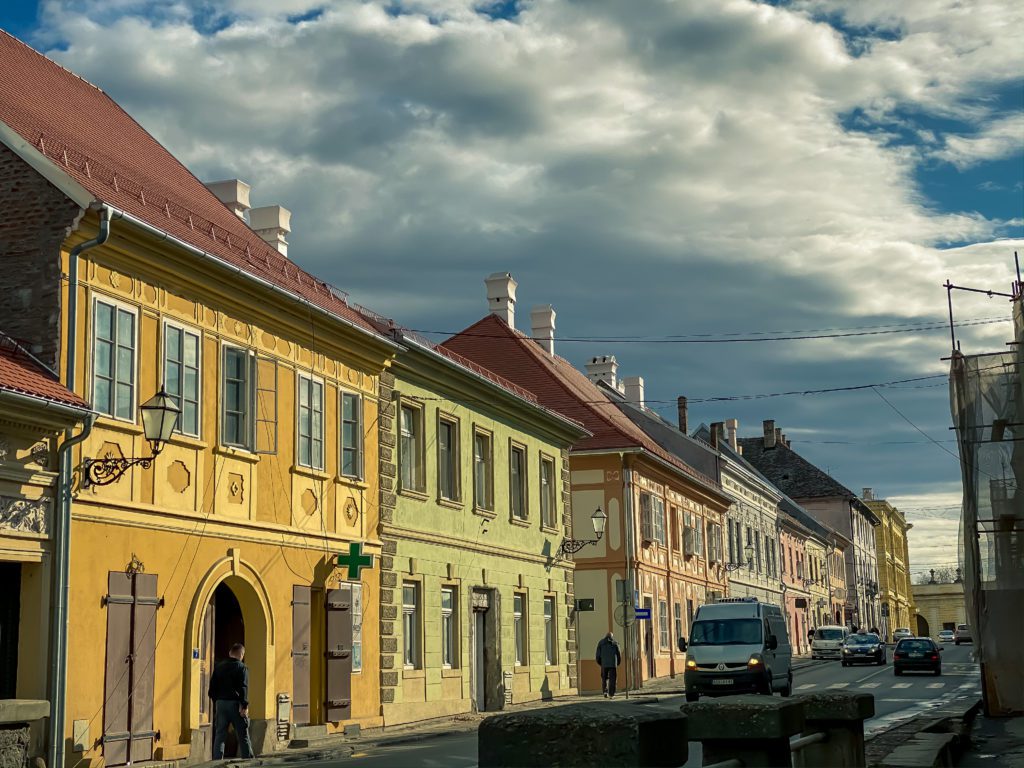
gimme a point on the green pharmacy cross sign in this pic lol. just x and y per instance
(355, 560)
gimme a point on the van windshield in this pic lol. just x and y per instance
(726, 632)
(828, 634)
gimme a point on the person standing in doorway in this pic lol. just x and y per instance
(608, 658)
(229, 689)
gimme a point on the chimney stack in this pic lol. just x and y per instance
(501, 296)
(769, 433)
(868, 494)
(634, 390)
(542, 320)
(604, 368)
(716, 434)
(732, 426)
(272, 223)
(684, 422)
(233, 193)
(778, 437)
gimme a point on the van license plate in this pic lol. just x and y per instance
(721, 681)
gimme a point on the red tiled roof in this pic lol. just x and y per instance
(92, 139)
(21, 373)
(559, 386)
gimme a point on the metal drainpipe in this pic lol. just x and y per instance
(62, 529)
(627, 499)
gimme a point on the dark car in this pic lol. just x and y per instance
(917, 653)
(863, 647)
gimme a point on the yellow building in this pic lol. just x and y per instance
(894, 588)
(939, 607)
(233, 532)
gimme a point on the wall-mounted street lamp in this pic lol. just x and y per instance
(159, 415)
(748, 559)
(572, 546)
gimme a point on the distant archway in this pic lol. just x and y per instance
(922, 626)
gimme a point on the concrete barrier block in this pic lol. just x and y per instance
(837, 706)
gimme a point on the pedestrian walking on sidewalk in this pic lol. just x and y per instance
(229, 689)
(608, 658)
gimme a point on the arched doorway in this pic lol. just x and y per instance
(922, 626)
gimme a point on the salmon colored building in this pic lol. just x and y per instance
(664, 514)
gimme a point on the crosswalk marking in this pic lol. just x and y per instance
(901, 685)
(870, 685)
(839, 685)
(936, 685)
(805, 686)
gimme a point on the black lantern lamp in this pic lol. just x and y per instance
(572, 546)
(159, 417)
(748, 559)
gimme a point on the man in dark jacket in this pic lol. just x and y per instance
(229, 689)
(608, 658)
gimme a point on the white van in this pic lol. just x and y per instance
(737, 645)
(827, 642)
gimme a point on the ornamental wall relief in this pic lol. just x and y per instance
(30, 516)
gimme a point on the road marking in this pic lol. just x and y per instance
(870, 685)
(839, 685)
(805, 686)
(936, 685)
(902, 685)
(873, 674)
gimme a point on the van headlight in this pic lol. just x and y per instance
(691, 664)
(754, 661)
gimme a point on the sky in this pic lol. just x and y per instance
(687, 175)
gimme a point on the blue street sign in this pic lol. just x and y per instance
(643, 613)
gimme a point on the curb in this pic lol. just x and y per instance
(937, 737)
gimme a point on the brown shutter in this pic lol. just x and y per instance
(117, 680)
(300, 654)
(339, 655)
(143, 667)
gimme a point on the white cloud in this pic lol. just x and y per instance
(999, 139)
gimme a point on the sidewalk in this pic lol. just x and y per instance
(996, 742)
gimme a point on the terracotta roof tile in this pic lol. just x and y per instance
(91, 138)
(22, 373)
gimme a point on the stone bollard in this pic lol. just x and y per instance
(840, 716)
(606, 733)
(750, 728)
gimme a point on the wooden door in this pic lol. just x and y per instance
(206, 664)
(338, 706)
(300, 654)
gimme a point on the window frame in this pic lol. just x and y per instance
(312, 381)
(549, 517)
(515, 448)
(359, 432)
(412, 621)
(356, 587)
(447, 419)
(489, 505)
(451, 615)
(677, 611)
(520, 629)
(185, 330)
(250, 396)
(418, 477)
(550, 631)
(663, 631)
(116, 306)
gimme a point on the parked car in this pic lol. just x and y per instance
(917, 653)
(946, 636)
(863, 647)
(962, 634)
(737, 645)
(827, 642)
(901, 634)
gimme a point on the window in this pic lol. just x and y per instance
(662, 624)
(238, 398)
(679, 620)
(409, 449)
(449, 628)
(757, 549)
(675, 535)
(448, 459)
(181, 375)
(411, 624)
(550, 652)
(351, 435)
(732, 547)
(113, 364)
(646, 521)
(689, 534)
(483, 471)
(698, 527)
(548, 499)
(311, 423)
(519, 627)
(357, 627)
(517, 480)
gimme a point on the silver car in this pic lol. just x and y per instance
(901, 634)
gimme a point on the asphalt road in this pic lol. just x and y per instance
(896, 699)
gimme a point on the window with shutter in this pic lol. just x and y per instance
(646, 527)
(301, 618)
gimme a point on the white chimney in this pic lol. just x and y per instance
(868, 495)
(634, 390)
(501, 296)
(604, 368)
(233, 193)
(272, 223)
(732, 426)
(542, 320)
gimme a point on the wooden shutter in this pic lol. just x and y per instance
(130, 673)
(338, 706)
(206, 662)
(300, 654)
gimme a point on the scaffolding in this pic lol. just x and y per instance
(987, 403)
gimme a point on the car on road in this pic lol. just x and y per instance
(962, 634)
(737, 645)
(827, 642)
(917, 653)
(863, 647)
(946, 636)
(901, 634)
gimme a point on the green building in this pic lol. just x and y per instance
(476, 608)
